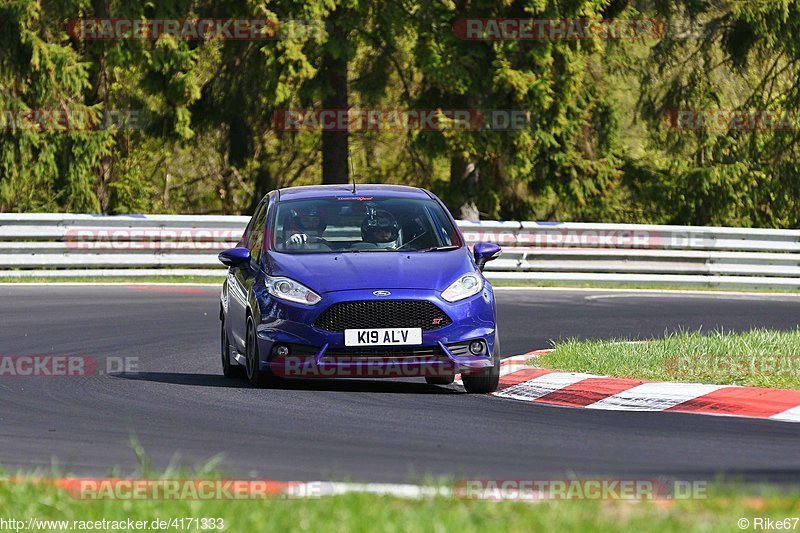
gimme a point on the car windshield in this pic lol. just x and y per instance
(362, 224)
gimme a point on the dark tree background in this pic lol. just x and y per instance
(176, 125)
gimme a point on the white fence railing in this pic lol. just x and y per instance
(61, 245)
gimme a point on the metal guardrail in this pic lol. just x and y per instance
(66, 245)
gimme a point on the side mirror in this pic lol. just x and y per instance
(235, 257)
(485, 252)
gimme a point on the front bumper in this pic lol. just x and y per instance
(315, 352)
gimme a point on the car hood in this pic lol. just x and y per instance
(372, 270)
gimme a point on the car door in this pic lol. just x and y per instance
(240, 279)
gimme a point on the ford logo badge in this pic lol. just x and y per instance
(381, 293)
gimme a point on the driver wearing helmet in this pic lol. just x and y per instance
(306, 227)
(381, 229)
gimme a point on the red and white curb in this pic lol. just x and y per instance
(529, 490)
(224, 489)
(519, 381)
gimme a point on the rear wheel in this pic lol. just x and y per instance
(255, 376)
(487, 379)
(228, 370)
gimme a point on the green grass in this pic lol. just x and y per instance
(762, 358)
(368, 513)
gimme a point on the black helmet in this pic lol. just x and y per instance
(307, 219)
(380, 227)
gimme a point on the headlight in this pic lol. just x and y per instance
(464, 287)
(289, 289)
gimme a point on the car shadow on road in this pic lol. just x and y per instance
(330, 385)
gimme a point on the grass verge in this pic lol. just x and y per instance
(720, 511)
(760, 358)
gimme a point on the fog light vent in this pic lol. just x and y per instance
(476, 347)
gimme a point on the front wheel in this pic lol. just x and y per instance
(228, 370)
(487, 379)
(255, 376)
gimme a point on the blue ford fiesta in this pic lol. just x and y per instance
(368, 281)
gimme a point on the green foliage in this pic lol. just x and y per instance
(738, 56)
(43, 165)
(595, 146)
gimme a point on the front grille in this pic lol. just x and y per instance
(383, 314)
(461, 349)
(385, 354)
(395, 352)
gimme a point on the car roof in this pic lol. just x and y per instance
(362, 189)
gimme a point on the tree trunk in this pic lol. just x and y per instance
(464, 182)
(334, 81)
(105, 172)
(264, 183)
(464, 175)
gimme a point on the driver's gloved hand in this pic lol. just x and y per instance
(297, 240)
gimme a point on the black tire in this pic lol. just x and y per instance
(255, 376)
(488, 379)
(439, 380)
(228, 370)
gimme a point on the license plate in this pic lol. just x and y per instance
(383, 337)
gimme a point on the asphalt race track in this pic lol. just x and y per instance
(180, 408)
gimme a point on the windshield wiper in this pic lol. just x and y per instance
(412, 240)
(439, 248)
